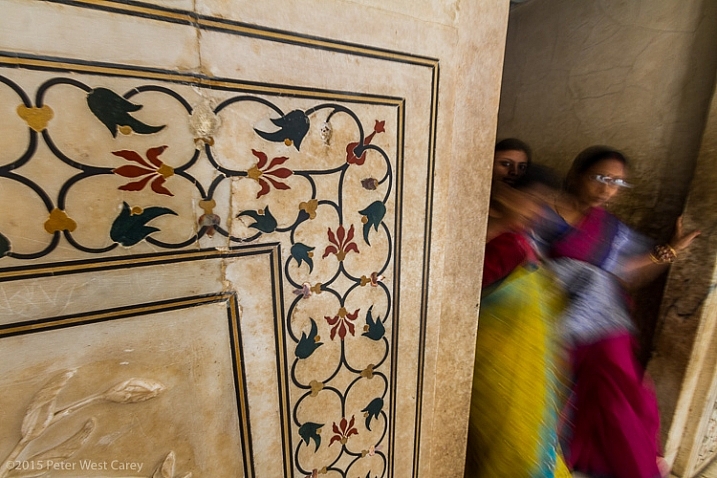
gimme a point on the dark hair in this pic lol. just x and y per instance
(514, 144)
(537, 174)
(586, 159)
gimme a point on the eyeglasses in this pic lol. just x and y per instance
(617, 182)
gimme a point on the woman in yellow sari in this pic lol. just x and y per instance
(516, 380)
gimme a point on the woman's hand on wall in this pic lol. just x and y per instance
(681, 241)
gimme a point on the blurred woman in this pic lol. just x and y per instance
(612, 424)
(514, 405)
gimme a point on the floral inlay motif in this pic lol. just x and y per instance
(356, 154)
(342, 323)
(36, 118)
(261, 172)
(152, 169)
(59, 221)
(343, 431)
(341, 243)
(308, 343)
(292, 128)
(115, 111)
(131, 227)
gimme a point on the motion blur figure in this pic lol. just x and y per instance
(612, 422)
(514, 404)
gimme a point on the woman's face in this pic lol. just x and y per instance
(600, 182)
(510, 165)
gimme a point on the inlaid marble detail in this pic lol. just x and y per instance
(224, 255)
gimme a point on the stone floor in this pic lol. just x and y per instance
(710, 471)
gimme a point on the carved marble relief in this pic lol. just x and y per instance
(210, 267)
(133, 391)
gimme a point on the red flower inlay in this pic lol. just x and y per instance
(152, 168)
(343, 322)
(261, 174)
(344, 431)
(351, 157)
(342, 243)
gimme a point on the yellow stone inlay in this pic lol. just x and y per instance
(166, 171)
(205, 139)
(136, 210)
(36, 118)
(368, 371)
(316, 387)
(59, 221)
(125, 130)
(208, 206)
(254, 173)
(309, 207)
(288, 142)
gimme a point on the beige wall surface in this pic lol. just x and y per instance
(685, 358)
(634, 75)
(638, 76)
(235, 239)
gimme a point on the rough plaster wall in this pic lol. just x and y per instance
(631, 74)
(684, 362)
(636, 75)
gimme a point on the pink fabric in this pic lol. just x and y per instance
(590, 240)
(616, 424)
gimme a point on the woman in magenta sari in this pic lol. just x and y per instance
(612, 423)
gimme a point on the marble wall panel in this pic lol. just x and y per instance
(240, 248)
(159, 378)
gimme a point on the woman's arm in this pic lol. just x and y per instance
(640, 270)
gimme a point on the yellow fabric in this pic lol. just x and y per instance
(513, 422)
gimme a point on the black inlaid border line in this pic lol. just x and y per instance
(138, 310)
(45, 63)
(426, 266)
(126, 262)
(240, 384)
(398, 221)
(282, 366)
(186, 17)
